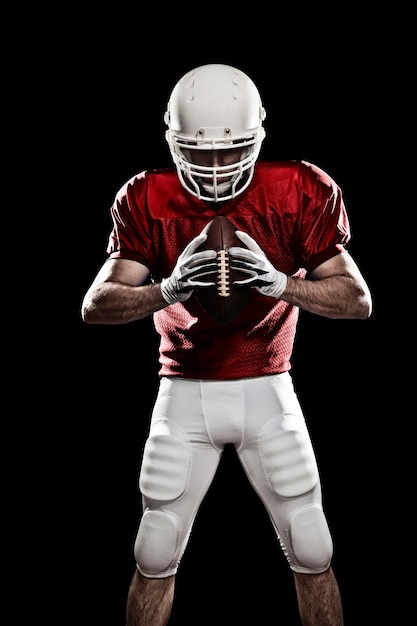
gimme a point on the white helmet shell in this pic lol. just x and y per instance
(215, 107)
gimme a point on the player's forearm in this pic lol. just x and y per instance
(338, 297)
(117, 303)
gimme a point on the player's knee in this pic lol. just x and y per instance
(311, 542)
(165, 468)
(156, 545)
(290, 463)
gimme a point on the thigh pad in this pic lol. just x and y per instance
(165, 468)
(289, 462)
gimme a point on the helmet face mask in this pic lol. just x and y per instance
(215, 131)
(214, 174)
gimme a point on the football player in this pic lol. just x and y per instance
(227, 384)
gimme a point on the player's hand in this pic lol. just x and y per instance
(261, 273)
(191, 266)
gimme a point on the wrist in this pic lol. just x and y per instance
(278, 287)
(283, 280)
(167, 291)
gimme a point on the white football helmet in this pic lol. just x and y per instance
(214, 118)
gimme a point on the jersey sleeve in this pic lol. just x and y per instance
(131, 235)
(323, 229)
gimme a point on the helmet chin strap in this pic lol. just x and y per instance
(220, 191)
(200, 186)
(221, 187)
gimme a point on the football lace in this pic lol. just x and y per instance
(223, 274)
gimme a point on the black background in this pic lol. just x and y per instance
(324, 85)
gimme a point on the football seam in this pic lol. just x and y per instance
(223, 274)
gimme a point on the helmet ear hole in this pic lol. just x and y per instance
(215, 107)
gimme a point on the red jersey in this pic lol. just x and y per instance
(294, 211)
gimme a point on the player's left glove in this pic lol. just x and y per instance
(261, 273)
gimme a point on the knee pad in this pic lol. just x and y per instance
(289, 463)
(312, 545)
(157, 543)
(165, 468)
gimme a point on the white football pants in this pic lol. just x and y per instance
(191, 422)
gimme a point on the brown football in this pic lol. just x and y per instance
(223, 302)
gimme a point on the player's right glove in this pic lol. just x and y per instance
(190, 267)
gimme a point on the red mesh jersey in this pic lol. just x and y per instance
(295, 212)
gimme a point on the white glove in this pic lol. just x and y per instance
(261, 273)
(189, 268)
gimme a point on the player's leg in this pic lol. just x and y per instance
(318, 597)
(279, 460)
(149, 600)
(178, 465)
